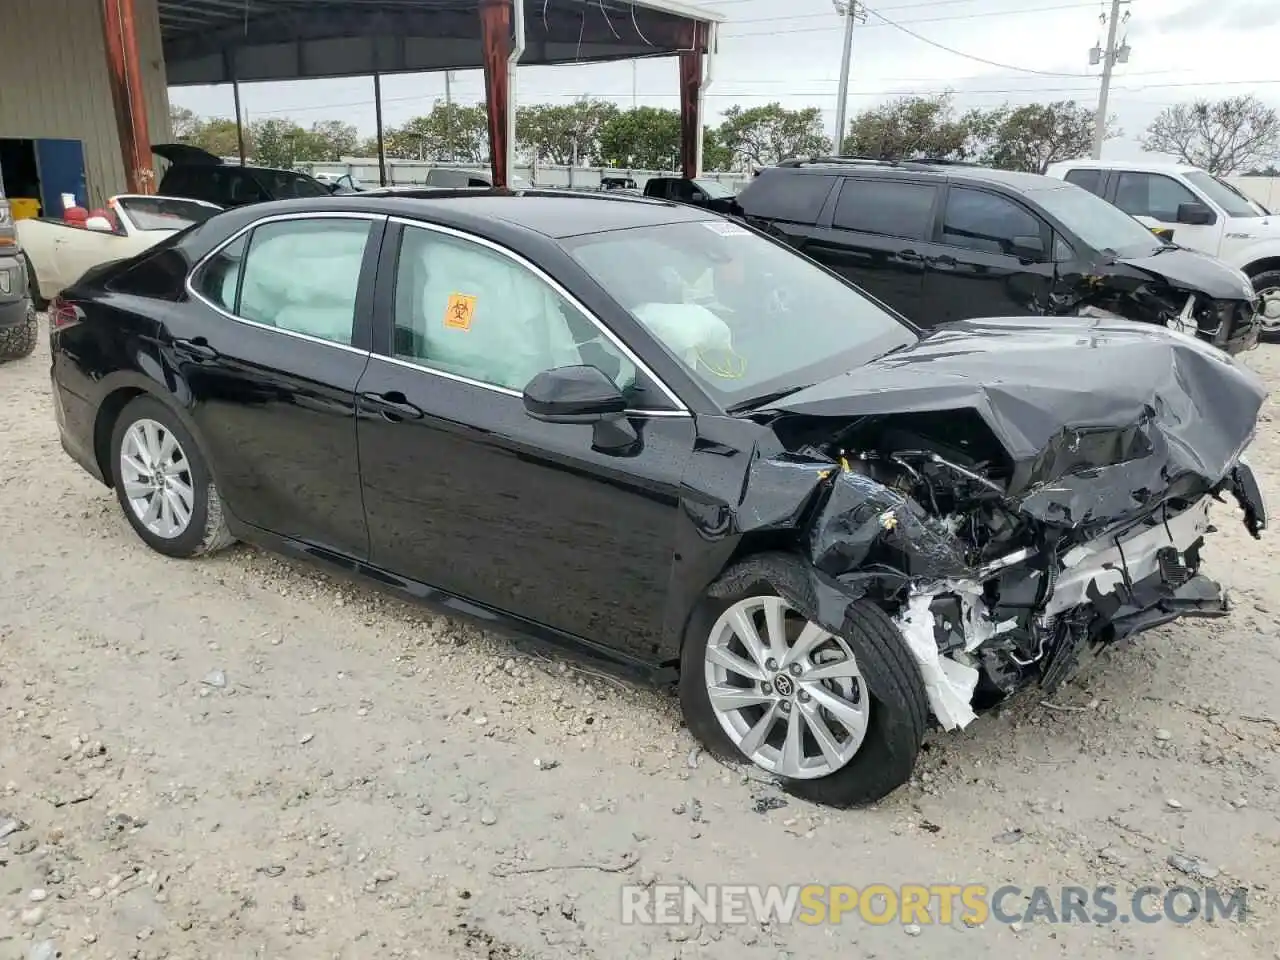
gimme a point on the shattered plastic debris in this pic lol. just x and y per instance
(948, 684)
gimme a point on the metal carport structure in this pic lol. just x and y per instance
(239, 41)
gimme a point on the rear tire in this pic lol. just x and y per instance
(20, 341)
(33, 287)
(886, 688)
(1267, 284)
(163, 483)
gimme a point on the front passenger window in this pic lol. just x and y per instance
(977, 220)
(466, 310)
(302, 276)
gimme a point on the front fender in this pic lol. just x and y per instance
(1246, 257)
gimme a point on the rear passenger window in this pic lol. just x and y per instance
(984, 221)
(886, 208)
(1091, 180)
(296, 275)
(789, 197)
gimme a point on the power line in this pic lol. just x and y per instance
(958, 16)
(969, 56)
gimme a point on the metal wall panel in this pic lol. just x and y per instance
(54, 82)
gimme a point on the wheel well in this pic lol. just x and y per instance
(105, 423)
(771, 541)
(1262, 266)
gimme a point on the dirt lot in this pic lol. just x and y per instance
(239, 758)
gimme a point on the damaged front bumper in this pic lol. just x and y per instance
(1027, 621)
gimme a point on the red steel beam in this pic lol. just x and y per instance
(495, 47)
(124, 68)
(690, 103)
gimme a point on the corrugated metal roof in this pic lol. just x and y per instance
(216, 41)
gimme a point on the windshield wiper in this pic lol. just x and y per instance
(766, 398)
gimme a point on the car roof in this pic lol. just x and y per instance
(1139, 166)
(923, 169)
(557, 214)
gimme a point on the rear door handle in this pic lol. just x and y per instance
(944, 261)
(197, 348)
(393, 406)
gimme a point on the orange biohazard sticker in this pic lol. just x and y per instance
(461, 308)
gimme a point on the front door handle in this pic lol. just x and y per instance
(393, 406)
(197, 348)
(910, 256)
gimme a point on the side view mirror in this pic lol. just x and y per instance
(581, 394)
(1028, 248)
(99, 225)
(1196, 213)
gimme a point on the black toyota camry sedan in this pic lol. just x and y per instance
(660, 435)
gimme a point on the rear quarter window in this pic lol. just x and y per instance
(790, 197)
(1091, 180)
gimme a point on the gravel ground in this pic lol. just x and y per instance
(238, 757)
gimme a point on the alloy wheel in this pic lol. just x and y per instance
(1269, 311)
(157, 480)
(787, 692)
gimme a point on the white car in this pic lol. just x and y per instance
(59, 253)
(1196, 210)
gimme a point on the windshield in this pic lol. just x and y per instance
(1103, 227)
(715, 189)
(163, 213)
(1235, 203)
(746, 316)
(285, 185)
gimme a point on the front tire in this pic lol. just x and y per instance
(20, 341)
(163, 483)
(1267, 286)
(838, 718)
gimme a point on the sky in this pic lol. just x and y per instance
(789, 51)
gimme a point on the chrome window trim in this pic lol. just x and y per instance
(506, 391)
(681, 408)
(274, 218)
(189, 286)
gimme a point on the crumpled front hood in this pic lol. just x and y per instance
(1194, 272)
(1100, 417)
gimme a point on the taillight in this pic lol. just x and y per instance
(63, 314)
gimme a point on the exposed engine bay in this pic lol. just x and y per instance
(1009, 541)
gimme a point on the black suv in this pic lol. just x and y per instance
(941, 242)
(197, 175)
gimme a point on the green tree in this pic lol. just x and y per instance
(913, 127)
(1031, 137)
(328, 140)
(183, 123)
(646, 137)
(715, 155)
(562, 133)
(278, 143)
(764, 135)
(1222, 137)
(446, 133)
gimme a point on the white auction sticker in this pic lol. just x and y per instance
(726, 229)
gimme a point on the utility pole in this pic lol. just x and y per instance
(448, 112)
(1109, 58)
(851, 10)
(633, 84)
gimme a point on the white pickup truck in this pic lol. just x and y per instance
(1196, 210)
